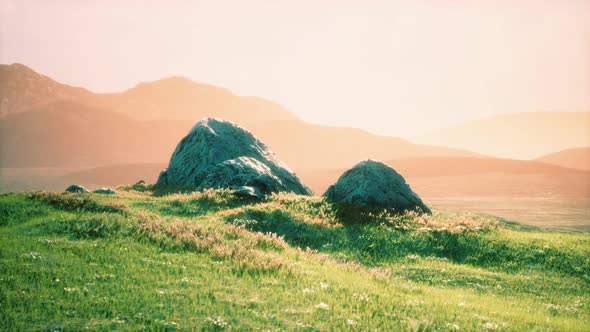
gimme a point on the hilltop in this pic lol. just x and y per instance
(21, 89)
(172, 98)
(136, 260)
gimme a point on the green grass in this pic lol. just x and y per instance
(210, 261)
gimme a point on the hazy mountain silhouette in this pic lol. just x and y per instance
(120, 138)
(179, 98)
(467, 176)
(144, 124)
(174, 98)
(306, 146)
(21, 89)
(428, 176)
(69, 134)
(517, 135)
(578, 158)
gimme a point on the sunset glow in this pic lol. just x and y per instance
(295, 165)
(401, 68)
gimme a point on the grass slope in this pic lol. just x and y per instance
(210, 261)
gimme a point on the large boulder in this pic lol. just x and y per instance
(220, 154)
(374, 185)
(74, 188)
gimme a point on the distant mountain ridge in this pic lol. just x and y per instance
(525, 135)
(474, 177)
(118, 138)
(21, 89)
(430, 177)
(67, 133)
(173, 98)
(73, 127)
(576, 158)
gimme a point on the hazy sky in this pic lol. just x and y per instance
(393, 67)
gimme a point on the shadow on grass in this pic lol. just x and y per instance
(519, 226)
(76, 202)
(373, 244)
(197, 203)
(102, 225)
(16, 209)
(160, 190)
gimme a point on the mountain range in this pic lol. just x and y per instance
(430, 177)
(52, 134)
(524, 135)
(46, 123)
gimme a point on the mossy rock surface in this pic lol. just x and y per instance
(373, 185)
(219, 154)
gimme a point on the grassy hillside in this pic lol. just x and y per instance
(211, 261)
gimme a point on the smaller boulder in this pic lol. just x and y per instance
(105, 191)
(76, 189)
(140, 186)
(373, 185)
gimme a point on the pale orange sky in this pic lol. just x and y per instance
(394, 67)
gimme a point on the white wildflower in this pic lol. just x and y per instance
(322, 306)
(31, 255)
(490, 326)
(362, 297)
(217, 322)
(454, 327)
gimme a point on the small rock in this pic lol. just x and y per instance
(76, 189)
(106, 191)
(247, 191)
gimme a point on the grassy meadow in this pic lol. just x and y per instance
(145, 260)
(557, 213)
